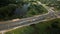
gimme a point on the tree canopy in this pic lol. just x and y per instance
(6, 2)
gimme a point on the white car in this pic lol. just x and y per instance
(33, 19)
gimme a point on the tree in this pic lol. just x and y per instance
(4, 2)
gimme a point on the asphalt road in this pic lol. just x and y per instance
(30, 20)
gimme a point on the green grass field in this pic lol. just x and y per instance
(40, 28)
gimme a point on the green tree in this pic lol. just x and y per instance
(4, 2)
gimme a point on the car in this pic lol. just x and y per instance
(33, 19)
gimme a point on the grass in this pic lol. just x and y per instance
(40, 28)
(0, 33)
(23, 30)
(43, 27)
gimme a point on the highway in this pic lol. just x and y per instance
(30, 20)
